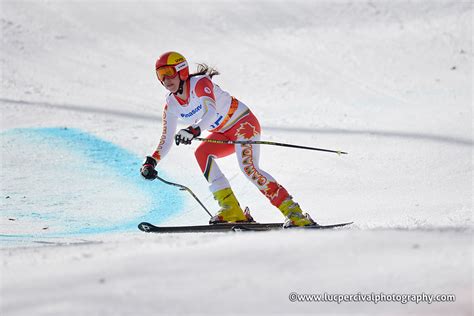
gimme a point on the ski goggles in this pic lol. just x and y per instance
(170, 71)
(166, 71)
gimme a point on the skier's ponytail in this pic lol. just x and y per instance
(203, 69)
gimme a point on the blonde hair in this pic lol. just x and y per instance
(203, 69)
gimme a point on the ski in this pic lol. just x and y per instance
(227, 227)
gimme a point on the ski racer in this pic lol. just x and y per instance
(202, 104)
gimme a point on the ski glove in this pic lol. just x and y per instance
(185, 136)
(148, 168)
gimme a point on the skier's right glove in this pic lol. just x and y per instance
(185, 136)
(148, 168)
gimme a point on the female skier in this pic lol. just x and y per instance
(196, 100)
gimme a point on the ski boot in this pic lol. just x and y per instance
(230, 211)
(294, 215)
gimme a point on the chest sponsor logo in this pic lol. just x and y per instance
(189, 114)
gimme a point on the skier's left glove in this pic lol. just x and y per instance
(185, 136)
(148, 168)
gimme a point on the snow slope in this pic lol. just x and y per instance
(390, 82)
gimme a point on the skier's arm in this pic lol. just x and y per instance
(169, 127)
(170, 122)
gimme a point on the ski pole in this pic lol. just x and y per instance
(262, 142)
(183, 188)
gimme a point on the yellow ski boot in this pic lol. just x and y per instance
(294, 215)
(230, 211)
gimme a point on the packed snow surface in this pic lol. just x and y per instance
(390, 82)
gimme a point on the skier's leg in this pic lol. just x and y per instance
(248, 156)
(206, 154)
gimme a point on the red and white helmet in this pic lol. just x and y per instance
(171, 63)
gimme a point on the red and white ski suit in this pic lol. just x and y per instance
(226, 118)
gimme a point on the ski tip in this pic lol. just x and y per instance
(145, 227)
(340, 224)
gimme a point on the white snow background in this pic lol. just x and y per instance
(390, 82)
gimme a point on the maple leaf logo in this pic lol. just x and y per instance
(272, 191)
(275, 193)
(246, 131)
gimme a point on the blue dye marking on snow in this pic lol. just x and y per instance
(94, 153)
